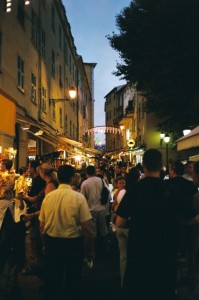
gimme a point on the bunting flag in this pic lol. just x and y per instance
(104, 129)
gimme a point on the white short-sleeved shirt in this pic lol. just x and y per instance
(91, 188)
(62, 211)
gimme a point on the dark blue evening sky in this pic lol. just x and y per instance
(91, 21)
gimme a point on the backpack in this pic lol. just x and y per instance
(105, 194)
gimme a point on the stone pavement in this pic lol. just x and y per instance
(101, 282)
(187, 291)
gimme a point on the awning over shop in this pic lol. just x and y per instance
(79, 146)
(125, 151)
(70, 142)
(93, 151)
(28, 120)
(58, 141)
(188, 141)
(46, 135)
(113, 153)
(50, 139)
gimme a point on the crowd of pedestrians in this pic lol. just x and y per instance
(154, 218)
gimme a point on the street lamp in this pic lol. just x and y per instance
(186, 131)
(162, 135)
(122, 139)
(72, 95)
(166, 140)
(122, 127)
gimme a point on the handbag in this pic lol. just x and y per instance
(105, 194)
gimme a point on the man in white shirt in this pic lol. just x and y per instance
(91, 188)
(66, 226)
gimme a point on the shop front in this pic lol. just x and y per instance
(78, 155)
(39, 141)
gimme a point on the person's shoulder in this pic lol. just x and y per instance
(77, 195)
(55, 183)
(176, 188)
(122, 193)
(183, 183)
(49, 197)
(52, 193)
(181, 179)
(84, 182)
(188, 182)
(96, 178)
(187, 176)
(92, 179)
(170, 183)
(153, 186)
(148, 181)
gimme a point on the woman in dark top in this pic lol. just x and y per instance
(48, 175)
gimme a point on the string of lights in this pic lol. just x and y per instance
(104, 130)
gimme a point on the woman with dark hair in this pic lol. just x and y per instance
(132, 177)
(48, 175)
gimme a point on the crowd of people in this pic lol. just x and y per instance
(153, 217)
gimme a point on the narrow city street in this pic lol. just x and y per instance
(100, 282)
